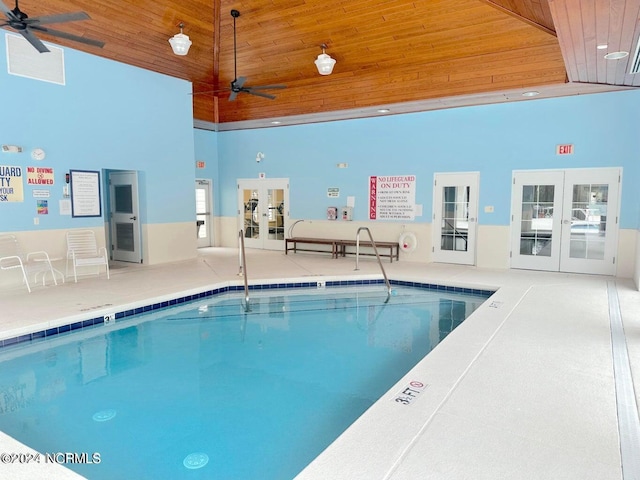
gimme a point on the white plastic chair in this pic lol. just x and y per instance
(11, 258)
(83, 251)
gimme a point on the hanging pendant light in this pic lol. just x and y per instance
(324, 62)
(180, 42)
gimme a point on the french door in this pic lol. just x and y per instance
(565, 220)
(455, 213)
(263, 211)
(125, 217)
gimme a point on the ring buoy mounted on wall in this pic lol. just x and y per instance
(407, 242)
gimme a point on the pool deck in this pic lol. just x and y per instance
(524, 389)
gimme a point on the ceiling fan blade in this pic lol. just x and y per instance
(6, 11)
(260, 94)
(68, 36)
(267, 87)
(233, 96)
(35, 41)
(238, 82)
(59, 18)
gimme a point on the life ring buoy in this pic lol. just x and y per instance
(407, 242)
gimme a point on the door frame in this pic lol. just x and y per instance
(134, 256)
(209, 241)
(455, 179)
(263, 185)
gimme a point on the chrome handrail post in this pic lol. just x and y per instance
(375, 249)
(243, 269)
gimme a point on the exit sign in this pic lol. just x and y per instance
(564, 149)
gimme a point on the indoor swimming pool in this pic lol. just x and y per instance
(206, 389)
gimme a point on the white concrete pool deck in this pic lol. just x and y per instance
(524, 389)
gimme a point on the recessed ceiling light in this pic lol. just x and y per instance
(616, 55)
(530, 94)
(383, 110)
(602, 46)
(276, 122)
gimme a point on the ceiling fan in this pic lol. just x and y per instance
(237, 85)
(20, 22)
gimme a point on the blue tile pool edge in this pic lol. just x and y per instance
(90, 322)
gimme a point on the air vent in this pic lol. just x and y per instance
(25, 61)
(635, 61)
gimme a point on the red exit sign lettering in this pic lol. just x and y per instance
(564, 149)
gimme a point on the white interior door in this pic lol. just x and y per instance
(566, 220)
(125, 217)
(590, 223)
(204, 207)
(263, 212)
(455, 213)
(536, 214)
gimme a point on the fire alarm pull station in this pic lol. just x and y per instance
(332, 213)
(347, 213)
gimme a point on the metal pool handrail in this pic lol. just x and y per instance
(375, 249)
(243, 268)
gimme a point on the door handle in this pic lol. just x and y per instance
(566, 222)
(133, 218)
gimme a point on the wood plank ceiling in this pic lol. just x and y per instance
(403, 55)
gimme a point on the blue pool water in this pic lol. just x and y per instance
(206, 390)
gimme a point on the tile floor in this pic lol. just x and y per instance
(524, 389)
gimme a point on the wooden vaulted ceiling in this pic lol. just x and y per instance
(403, 55)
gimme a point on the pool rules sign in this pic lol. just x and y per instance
(392, 197)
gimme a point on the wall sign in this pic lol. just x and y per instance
(333, 192)
(564, 149)
(392, 197)
(11, 184)
(40, 193)
(85, 194)
(40, 176)
(42, 207)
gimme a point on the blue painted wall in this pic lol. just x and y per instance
(112, 116)
(491, 139)
(107, 116)
(206, 147)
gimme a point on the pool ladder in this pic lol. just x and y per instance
(242, 271)
(375, 249)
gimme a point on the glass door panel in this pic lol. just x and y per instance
(455, 219)
(276, 213)
(536, 221)
(588, 221)
(455, 209)
(251, 206)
